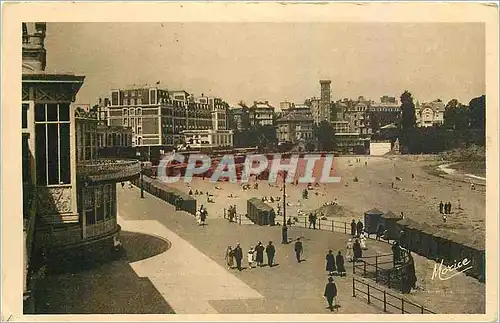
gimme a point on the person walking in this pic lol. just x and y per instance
(331, 294)
(359, 228)
(298, 250)
(238, 256)
(339, 259)
(358, 252)
(330, 263)
(270, 251)
(229, 257)
(310, 220)
(396, 253)
(350, 255)
(250, 257)
(441, 206)
(449, 207)
(259, 251)
(198, 217)
(353, 228)
(362, 242)
(203, 215)
(314, 218)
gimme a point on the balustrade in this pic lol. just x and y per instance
(108, 169)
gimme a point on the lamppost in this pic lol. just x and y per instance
(142, 175)
(284, 228)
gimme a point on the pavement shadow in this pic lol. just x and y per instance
(105, 286)
(135, 247)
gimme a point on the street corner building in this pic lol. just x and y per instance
(69, 194)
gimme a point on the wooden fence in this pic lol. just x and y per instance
(168, 194)
(387, 300)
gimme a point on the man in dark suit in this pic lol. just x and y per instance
(270, 251)
(359, 228)
(238, 255)
(298, 249)
(353, 227)
(330, 293)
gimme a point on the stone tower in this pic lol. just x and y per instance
(34, 53)
(325, 100)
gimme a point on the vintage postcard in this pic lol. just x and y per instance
(249, 161)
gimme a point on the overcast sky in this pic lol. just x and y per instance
(274, 62)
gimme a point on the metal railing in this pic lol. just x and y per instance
(387, 299)
(108, 169)
(383, 269)
(74, 234)
(101, 228)
(237, 218)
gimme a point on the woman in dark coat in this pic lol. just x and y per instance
(259, 249)
(331, 293)
(340, 264)
(356, 248)
(330, 263)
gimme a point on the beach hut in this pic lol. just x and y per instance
(390, 223)
(259, 212)
(372, 219)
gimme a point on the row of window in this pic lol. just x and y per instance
(113, 140)
(132, 111)
(132, 101)
(99, 204)
(52, 141)
(131, 122)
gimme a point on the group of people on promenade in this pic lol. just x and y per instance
(355, 249)
(356, 228)
(255, 256)
(231, 213)
(334, 265)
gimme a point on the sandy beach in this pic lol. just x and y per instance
(418, 198)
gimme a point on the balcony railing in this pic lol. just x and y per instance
(74, 235)
(108, 169)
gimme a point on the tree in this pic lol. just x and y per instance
(408, 119)
(325, 134)
(456, 116)
(477, 119)
(477, 112)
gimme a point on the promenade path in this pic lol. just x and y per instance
(193, 278)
